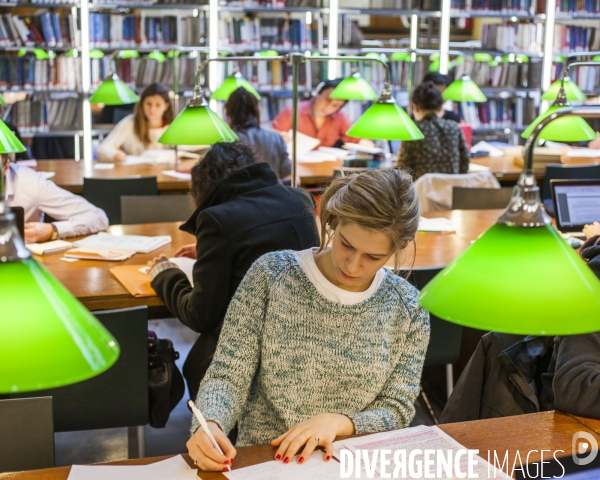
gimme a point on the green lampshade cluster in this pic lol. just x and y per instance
(517, 280)
(385, 121)
(114, 91)
(464, 90)
(230, 85)
(49, 338)
(354, 88)
(572, 91)
(9, 143)
(197, 125)
(563, 129)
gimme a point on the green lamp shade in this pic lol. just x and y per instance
(2, 102)
(9, 143)
(158, 56)
(563, 129)
(385, 121)
(354, 88)
(49, 339)
(197, 126)
(572, 91)
(517, 280)
(114, 91)
(230, 85)
(464, 90)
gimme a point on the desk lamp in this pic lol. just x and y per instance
(231, 84)
(49, 339)
(113, 90)
(355, 87)
(520, 276)
(464, 90)
(572, 91)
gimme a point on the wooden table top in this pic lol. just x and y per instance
(69, 174)
(93, 284)
(505, 169)
(522, 433)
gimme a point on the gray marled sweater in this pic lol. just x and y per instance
(286, 354)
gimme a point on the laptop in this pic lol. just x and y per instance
(576, 203)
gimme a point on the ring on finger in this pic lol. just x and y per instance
(317, 439)
(196, 462)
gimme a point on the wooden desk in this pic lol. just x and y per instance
(505, 169)
(69, 174)
(92, 283)
(523, 433)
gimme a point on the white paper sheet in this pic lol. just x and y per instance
(474, 167)
(104, 166)
(357, 147)
(305, 144)
(179, 175)
(100, 253)
(49, 248)
(584, 152)
(47, 174)
(175, 468)
(436, 225)
(486, 147)
(138, 243)
(314, 468)
(185, 264)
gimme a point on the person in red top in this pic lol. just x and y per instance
(319, 117)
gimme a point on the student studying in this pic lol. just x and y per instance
(322, 342)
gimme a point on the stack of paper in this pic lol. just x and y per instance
(583, 152)
(100, 253)
(436, 225)
(179, 175)
(304, 144)
(174, 468)
(489, 149)
(48, 248)
(137, 243)
(357, 147)
(155, 157)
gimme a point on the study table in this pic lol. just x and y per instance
(522, 433)
(93, 284)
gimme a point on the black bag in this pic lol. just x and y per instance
(165, 383)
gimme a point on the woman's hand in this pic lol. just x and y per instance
(188, 251)
(36, 232)
(323, 427)
(154, 262)
(120, 156)
(591, 230)
(205, 455)
(596, 142)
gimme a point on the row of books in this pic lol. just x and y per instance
(581, 8)
(282, 33)
(569, 38)
(507, 74)
(35, 115)
(27, 73)
(349, 33)
(523, 7)
(519, 37)
(131, 31)
(274, 4)
(498, 113)
(588, 78)
(45, 28)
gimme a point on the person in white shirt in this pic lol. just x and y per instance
(141, 130)
(37, 195)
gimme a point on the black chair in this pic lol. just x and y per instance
(560, 172)
(26, 434)
(156, 208)
(445, 338)
(117, 397)
(106, 193)
(480, 198)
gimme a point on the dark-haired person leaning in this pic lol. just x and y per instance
(243, 117)
(444, 149)
(243, 212)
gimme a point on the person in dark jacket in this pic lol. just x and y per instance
(243, 213)
(243, 117)
(441, 82)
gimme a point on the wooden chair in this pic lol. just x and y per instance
(117, 397)
(26, 434)
(106, 193)
(155, 208)
(480, 198)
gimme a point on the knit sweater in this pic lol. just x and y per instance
(286, 354)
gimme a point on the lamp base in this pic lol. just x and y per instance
(525, 208)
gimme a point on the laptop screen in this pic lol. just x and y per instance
(576, 203)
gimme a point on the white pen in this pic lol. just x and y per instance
(204, 426)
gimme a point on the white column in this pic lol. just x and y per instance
(444, 36)
(213, 43)
(548, 50)
(85, 83)
(332, 35)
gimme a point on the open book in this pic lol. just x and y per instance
(137, 243)
(154, 157)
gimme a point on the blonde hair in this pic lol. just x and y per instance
(382, 200)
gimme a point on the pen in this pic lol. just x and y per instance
(204, 426)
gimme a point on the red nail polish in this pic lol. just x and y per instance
(226, 462)
(327, 458)
(277, 457)
(286, 460)
(301, 459)
(231, 461)
(225, 469)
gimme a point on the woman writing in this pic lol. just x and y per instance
(140, 131)
(444, 149)
(243, 117)
(322, 342)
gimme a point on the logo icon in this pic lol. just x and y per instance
(584, 444)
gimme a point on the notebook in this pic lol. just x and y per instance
(576, 203)
(48, 248)
(100, 253)
(137, 243)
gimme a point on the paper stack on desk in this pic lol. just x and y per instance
(436, 225)
(137, 243)
(100, 253)
(174, 468)
(48, 248)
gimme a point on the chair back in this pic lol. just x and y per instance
(106, 193)
(119, 396)
(445, 338)
(480, 198)
(26, 434)
(560, 172)
(435, 189)
(155, 208)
